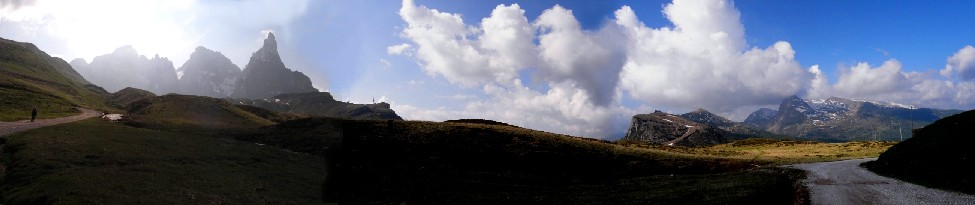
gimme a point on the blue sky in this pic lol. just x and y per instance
(898, 51)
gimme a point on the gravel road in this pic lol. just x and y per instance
(7, 128)
(845, 182)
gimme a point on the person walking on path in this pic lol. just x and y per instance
(33, 114)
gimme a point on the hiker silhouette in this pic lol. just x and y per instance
(33, 114)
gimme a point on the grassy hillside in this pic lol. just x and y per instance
(31, 78)
(192, 113)
(468, 163)
(98, 162)
(127, 96)
(780, 152)
(939, 155)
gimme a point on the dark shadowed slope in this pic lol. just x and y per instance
(100, 162)
(940, 155)
(393, 162)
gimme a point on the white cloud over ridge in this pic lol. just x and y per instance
(863, 80)
(703, 61)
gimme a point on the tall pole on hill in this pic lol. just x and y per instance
(912, 123)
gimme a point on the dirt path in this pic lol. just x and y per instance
(845, 182)
(7, 128)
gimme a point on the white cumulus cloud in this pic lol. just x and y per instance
(449, 48)
(864, 80)
(702, 62)
(590, 61)
(961, 63)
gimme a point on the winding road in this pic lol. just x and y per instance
(845, 182)
(7, 128)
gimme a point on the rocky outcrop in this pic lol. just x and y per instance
(668, 129)
(321, 104)
(265, 75)
(208, 73)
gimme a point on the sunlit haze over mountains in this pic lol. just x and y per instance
(582, 68)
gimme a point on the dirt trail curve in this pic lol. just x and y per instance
(7, 128)
(845, 182)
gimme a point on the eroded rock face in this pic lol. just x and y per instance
(265, 75)
(668, 129)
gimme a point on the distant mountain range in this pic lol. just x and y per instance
(834, 120)
(126, 68)
(265, 82)
(840, 119)
(206, 73)
(321, 104)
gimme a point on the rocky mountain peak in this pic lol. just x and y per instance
(268, 52)
(266, 76)
(208, 73)
(126, 51)
(761, 118)
(270, 40)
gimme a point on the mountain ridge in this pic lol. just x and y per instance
(841, 119)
